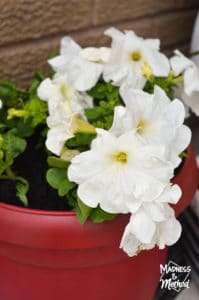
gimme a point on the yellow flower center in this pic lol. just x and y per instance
(121, 157)
(136, 56)
(141, 126)
(146, 70)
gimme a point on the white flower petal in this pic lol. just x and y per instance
(157, 211)
(159, 63)
(129, 170)
(180, 143)
(82, 74)
(129, 243)
(116, 128)
(142, 227)
(129, 53)
(171, 194)
(45, 88)
(56, 138)
(114, 33)
(69, 47)
(85, 166)
(169, 232)
(99, 55)
(191, 80)
(192, 101)
(180, 63)
(156, 120)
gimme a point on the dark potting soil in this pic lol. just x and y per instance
(32, 165)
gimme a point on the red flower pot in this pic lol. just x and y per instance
(48, 255)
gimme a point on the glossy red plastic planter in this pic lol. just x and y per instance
(48, 255)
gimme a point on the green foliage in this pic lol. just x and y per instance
(57, 178)
(98, 215)
(11, 95)
(81, 141)
(11, 147)
(22, 190)
(56, 162)
(83, 211)
(104, 91)
(166, 83)
(21, 115)
(106, 97)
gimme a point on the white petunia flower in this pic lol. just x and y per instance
(65, 106)
(189, 89)
(119, 173)
(155, 119)
(61, 128)
(151, 225)
(59, 90)
(83, 67)
(133, 59)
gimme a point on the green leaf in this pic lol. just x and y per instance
(22, 190)
(57, 162)
(98, 215)
(65, 186)
(81, 141)
(83, 211)
(54, 176)
(57, 178)
(94, 113)
(8, 92)
(183, 154)
(37, 111)
(13, 144)
(39, 76)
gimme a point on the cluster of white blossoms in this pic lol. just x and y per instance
(128, 168)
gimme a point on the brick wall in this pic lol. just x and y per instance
(30, 30)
